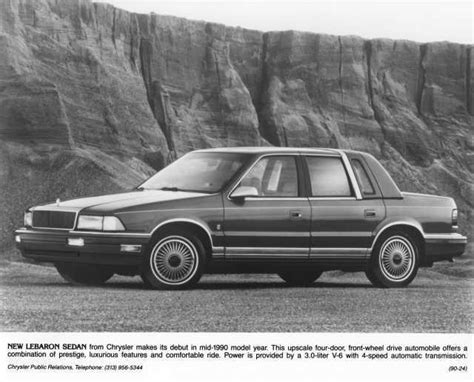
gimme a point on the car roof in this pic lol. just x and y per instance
(273, 150)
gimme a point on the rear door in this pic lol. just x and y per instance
(275, 223)
(343, 218)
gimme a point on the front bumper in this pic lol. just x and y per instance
(440, 247)
(98, 247)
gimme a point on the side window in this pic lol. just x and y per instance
(362, 178)
(273, 176)
(328, 177)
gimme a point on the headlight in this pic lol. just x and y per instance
(99, 223)
(94, 223)
(112, 223)
(28, 219)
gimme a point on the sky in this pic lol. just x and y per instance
(417, 20)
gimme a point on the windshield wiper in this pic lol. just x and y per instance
(140, 188)
(176, 189)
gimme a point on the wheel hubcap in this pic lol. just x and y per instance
(397, 258)
(174, 260)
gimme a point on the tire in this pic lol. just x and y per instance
(300, 277)
(373, 280)
(86, 274)
(174, 261)
(395, 261)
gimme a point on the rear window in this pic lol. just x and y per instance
(362, 178)
(328, 177)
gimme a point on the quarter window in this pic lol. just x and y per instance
(362, 178)
(328, 177)
(273, 176)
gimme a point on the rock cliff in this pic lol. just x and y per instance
(95, 99)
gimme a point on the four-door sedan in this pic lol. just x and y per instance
(294, 212)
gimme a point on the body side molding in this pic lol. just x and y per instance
(296, 252)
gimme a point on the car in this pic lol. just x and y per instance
(296, 212)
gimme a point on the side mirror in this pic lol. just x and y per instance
(243, 192)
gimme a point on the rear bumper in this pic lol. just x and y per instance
(444, 246)
(97, 248)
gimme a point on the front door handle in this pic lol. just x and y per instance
(370, 213)
(296, 215)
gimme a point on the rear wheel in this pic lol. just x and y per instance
(174, 261)
(394, 261)
(300, 277)
(86, 274)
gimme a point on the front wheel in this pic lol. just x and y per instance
(300, 277)
(175, 261)
(394, 261)
(86, 274)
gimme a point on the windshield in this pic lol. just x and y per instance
(198, 172)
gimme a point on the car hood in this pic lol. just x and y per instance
(113, 202)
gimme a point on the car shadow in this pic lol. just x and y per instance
(275, 285)
(220, 285)
(241, 285)
(209, 285)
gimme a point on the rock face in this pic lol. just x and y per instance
(95, 99)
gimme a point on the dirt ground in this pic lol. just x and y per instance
(35, 298)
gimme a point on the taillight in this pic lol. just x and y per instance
(454, 217)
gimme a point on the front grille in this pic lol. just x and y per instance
(54, 219)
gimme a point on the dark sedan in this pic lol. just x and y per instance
(295, 212)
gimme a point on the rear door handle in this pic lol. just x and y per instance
(295, 215)
(370, 213)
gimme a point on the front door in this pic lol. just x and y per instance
(273, 224)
